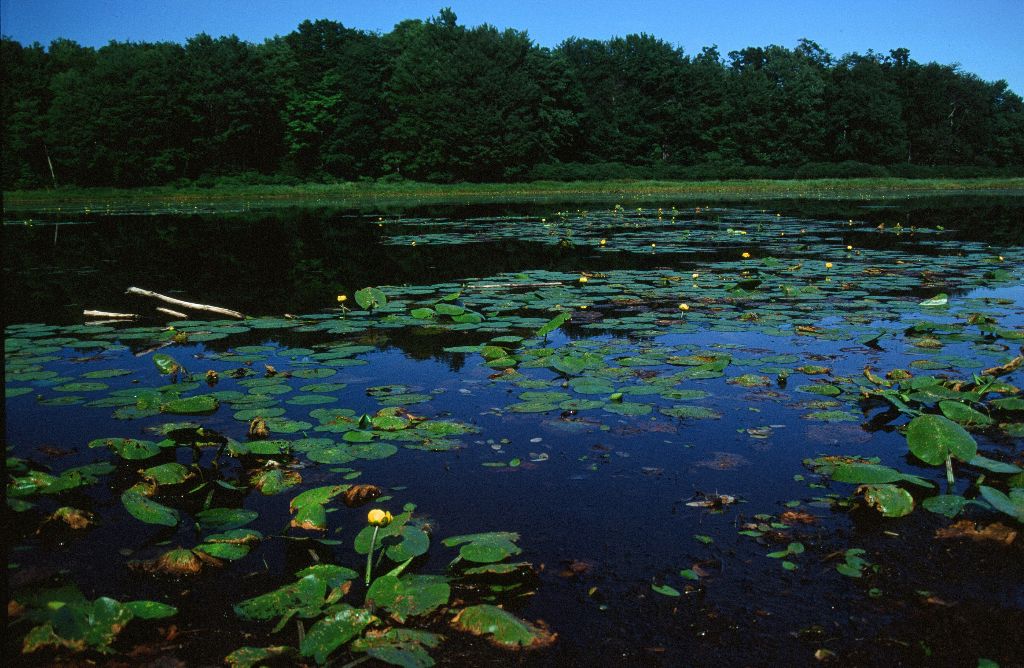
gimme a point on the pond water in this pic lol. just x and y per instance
(644, 434)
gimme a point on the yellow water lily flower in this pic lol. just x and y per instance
(379, 518)
(342, 299)
(849, 248)
(745, 255)
(684, 307)
(583, 279)
(696, 275)
(604, 241)
(828, 265)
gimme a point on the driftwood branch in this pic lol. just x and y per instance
(184, 304)
(176, 314)
(107, 314)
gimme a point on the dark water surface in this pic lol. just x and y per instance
(772, 347)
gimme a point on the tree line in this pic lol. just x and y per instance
(437, 101)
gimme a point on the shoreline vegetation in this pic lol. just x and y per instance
(411, 192)
(436, 101)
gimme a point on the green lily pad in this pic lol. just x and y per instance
(502, 628)
(932, 438)
(409, 595)
(251, 657)
(1012, 504)
(151, 609)
(890, 500)
(77, 626)
(198, 405)
(413, 542)
(171, 473)
(369, 299)
(316, 496)
(81, 387)
(399, 647)
(334, 630)
(949, 505)
(165, 364)
(145, 509)
(666, 590)
(223, 519)
(691, 412)
(964, 414)
(307, 592)
(485, 548)
(995, 466)
(128, 448)
(311, 517)
(874, 474)
(274, 480)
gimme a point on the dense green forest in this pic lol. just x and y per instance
(437, 101)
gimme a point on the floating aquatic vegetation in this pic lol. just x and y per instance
(529, 391)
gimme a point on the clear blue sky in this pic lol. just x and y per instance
(985, 36)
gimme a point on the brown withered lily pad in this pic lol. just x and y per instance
(723, 461)
(797, 517)
(258, 428)
(72, 517)
(576, 568)
(177, 562)
(359, 495)
(997, 532)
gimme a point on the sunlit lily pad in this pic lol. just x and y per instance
(399, 647)
(502, 628)
(171, 473)
(932, 438)
(890, 500)
(485, 548)
(333, 631)
(145, 509)
(307, 592)
(409, 595)
(199, 405)
(128, 448)
(251, 657)
(274, 480)
(691, 412)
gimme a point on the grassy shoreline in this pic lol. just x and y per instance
(361, 193)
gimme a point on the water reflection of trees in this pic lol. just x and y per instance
(296, 259)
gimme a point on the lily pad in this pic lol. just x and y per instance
(334, 630)
(223, 519)
(485, 548)
(145, 509)
(932, 438)
(307, 592)
(502, 628)
(128, 448)
(890, 500)
(198, 405)
(409, 595)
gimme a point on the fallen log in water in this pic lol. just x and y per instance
(89, 313)
(176, 314)
(184, 304)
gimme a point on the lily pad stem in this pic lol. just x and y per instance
(949, 470)
(369, 555)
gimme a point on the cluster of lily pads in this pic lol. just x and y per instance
(276, 406)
